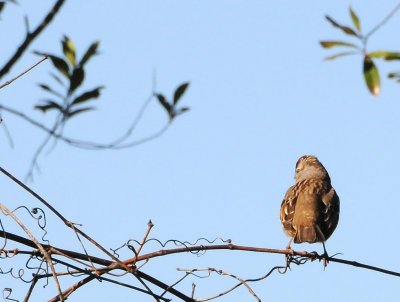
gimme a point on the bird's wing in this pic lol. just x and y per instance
(330, 212)
(287, 211)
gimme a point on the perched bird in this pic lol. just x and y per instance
(310, 209)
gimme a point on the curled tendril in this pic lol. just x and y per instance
(19, 274)
(177, 243)
(130, 244)
(16, 274)
(38, 213)
(31, 265)
(8, 253)
(40, 216)
(5, 272)
(117, 249)
(7, 294)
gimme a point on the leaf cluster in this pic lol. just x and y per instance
(171, 106)
(370, 71)
(70, 75)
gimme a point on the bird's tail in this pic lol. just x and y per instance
(309, 234)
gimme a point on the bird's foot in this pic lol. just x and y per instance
(325, 259)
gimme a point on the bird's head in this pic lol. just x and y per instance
(308, 166)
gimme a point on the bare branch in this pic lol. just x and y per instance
(30, 37)
(116, 144)
(383, 22)
(23, 73)
(222, 273)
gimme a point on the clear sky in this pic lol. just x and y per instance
(260, 96)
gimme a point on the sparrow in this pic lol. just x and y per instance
(310, 209)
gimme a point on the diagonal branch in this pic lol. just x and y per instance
(30, 37)
(380, 24)
(23, 73)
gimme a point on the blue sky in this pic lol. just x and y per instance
(260, 97)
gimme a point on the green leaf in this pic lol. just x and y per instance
(330, 44)
(355, 19)
(91, 94)
(182, 110)
(179, 92)
(163, 101)
(49, 105)
(77, 111)
(48, 89)
(92, 50)
(76, 79)
(387, 55)
(58, 63)
(341, 54)
(69, 50)
(345, 29)
(371, 76)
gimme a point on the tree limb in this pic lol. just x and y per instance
(30, 37)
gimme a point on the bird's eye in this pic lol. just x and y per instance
(297, 170)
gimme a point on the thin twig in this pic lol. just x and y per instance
(116, 144)
(34, 161)
(176, 283)
(7, 132)
(22, 73)
(224, 273)
(380, 24)
(193, 289)
(150, 225)
(146, 235)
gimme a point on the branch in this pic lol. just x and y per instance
(311, 256)
(223, 273)
(116, 144)
(30, 37)
(380, 24)
(22, 73)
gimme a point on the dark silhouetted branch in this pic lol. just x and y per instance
(30, 36)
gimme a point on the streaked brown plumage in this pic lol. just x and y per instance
(310, 208)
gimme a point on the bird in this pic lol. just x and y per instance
(310, 209)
